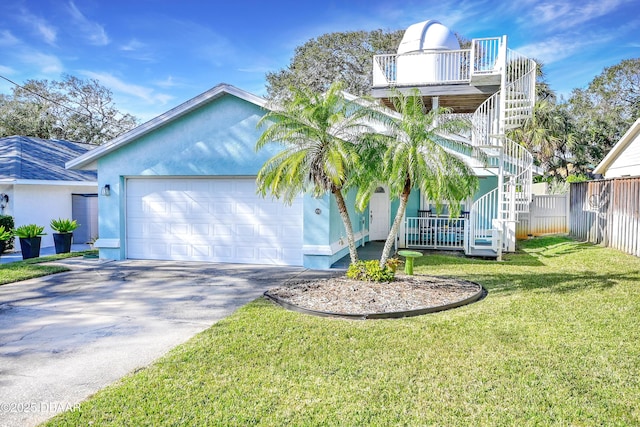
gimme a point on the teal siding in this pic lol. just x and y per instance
(486, 184)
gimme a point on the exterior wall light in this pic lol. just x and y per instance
(106, 190)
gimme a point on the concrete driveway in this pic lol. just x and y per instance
(64, 337)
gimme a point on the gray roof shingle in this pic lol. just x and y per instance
(28, 158)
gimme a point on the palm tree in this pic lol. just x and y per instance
(414, 156)
(550, 135)
(318, 134)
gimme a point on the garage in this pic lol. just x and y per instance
(210, 219)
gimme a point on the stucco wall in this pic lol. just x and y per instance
(39, 204)
(486, 184)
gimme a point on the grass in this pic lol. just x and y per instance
(31, 268)
(555, 342)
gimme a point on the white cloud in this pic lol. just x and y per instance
(48, 64)
(94, 32)
(8, 39)
(117, 85)
(139, 51)
(48, 32)
(6, 70)
(133, 45)
(564, 14)
(262, 69)
(167, 83)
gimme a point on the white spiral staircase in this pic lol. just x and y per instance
(493, 216)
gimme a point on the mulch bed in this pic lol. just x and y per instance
(406, 294)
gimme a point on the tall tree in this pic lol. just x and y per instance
(550, 136)
(606, 108)
(412, 155)
(342, 56)
(73, 109)
(318, 134)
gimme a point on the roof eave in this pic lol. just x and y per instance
(618, 149)
(89, 159)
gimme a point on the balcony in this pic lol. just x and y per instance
(464, 78)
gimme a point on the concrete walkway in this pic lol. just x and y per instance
(371, 250)
(64, 337)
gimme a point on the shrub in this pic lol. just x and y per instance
(29, 231)
(7, 222)
(5, 234)
(370, 271)
(63, 225)
(393, 263)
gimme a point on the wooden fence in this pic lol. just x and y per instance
(606, 211)
(548, 214)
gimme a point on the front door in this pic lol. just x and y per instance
(379, 208)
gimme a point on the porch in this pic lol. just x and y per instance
(441, 232)
(432, 231)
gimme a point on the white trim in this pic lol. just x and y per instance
(317, 250)
(107, 243)
(51, 182)
(618, 149)
(333, 248)
(90, 157)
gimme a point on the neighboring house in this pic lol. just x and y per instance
(182, 186)
(624, 158)
(35, 187)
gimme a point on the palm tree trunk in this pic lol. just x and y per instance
(344, 214)
(393, 233)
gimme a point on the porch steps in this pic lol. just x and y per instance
(482, 252)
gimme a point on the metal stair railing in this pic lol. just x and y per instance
(514, 163)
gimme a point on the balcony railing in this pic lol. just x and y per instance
(424, 68)
(436, 232)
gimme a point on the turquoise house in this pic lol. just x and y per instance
(182, 187)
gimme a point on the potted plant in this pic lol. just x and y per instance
(7, 222)
(30, 237)
(64, 236)
(5, 235)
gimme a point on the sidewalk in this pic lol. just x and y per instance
(49, 250)
(371, 250)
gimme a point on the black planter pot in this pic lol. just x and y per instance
(30, 247)
(62, 241)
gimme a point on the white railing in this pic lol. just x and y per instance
(384, 70)
(436, 232)
(485, 53)
(520, 89)
(481, 217)
(486, 123)
(504, 110)
(518, 163)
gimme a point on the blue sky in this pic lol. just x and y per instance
(156, 54)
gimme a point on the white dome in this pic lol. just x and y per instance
(427, 36)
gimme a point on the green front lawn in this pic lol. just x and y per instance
(30, 268)
(555, 342)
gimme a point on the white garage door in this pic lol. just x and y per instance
(217, 220)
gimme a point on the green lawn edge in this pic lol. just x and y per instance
(31, 268)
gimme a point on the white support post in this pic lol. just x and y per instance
(401, 241)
